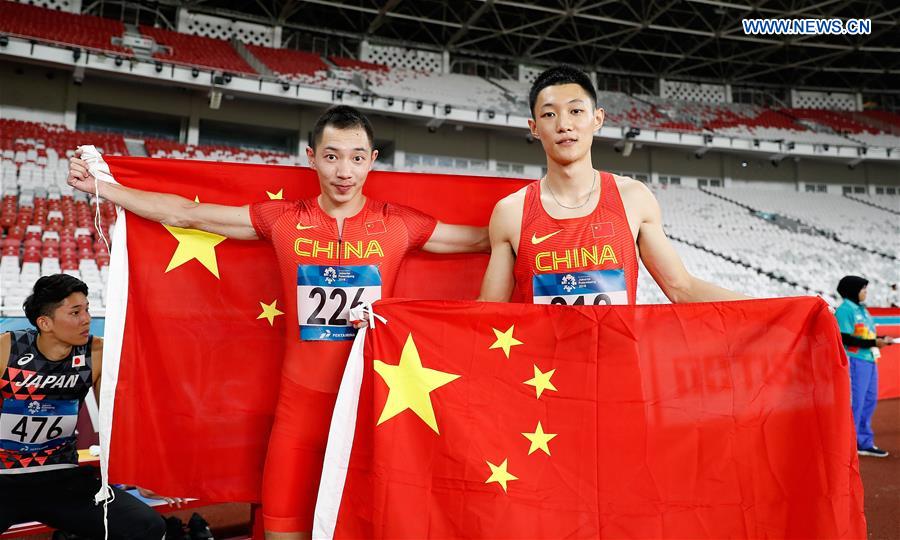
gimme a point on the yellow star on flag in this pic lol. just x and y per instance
(276, 196)
(269, 311)
(410, 385)
(505, 340)
(539, 440)
(499, 474)
(194, 244)
(541, 381)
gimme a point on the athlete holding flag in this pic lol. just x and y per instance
(334, 251)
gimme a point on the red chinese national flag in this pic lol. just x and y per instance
(194, 329)
(463, 420)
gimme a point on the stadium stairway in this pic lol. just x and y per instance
(248, 57)
(872, 204)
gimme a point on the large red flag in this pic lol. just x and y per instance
(461, 420)
(194, 324)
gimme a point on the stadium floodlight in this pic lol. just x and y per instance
(434, 124)
(339, 94)
(4, 41)
(390, 102)
(78, 75)
(159, 67)
(419, 105)
(448, 109)
(195, 72)
(285, 86)
(215, 99)
(226, 77)
(700, 152)
(624, 147)
(632, 132)
(119, 60)
(491, 115)
(790, 146)
(776, 159)
(853, 163)
(365, 97)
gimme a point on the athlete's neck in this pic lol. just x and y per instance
(572, 180)
(52, 348)
(340, 211)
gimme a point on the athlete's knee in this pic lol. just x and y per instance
(147, 526)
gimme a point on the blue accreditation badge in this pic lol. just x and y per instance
(591, 288)
(325, 295)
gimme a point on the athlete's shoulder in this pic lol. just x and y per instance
(635, 193)
(392, 210)
(513, 202)
(631, 186)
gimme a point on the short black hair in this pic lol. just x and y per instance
(49, 293)
(341, 117)
(563, 74)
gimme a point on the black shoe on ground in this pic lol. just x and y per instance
(175, 529)
(873, 451)
(198, 528)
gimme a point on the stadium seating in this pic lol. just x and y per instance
(296, 66)
(175, 150)
(59, 27)
(351, 63)
(197, 51)
(443, 88)
(845, 218)
(813, 262)
(49, 228)
(838, 121)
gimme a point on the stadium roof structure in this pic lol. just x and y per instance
(698, 40)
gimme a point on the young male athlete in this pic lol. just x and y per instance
(45, 375)
(334, 251)
(574, 236)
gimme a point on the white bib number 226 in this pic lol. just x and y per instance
(325, 295)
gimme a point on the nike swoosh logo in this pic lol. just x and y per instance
(304, 227)
(535, 239)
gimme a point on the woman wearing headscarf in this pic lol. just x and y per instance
(859, 339)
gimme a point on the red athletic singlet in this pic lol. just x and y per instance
(303, 235)
(589, 260)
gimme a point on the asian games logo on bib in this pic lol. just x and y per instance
(568, 282)
(330, 274)
(34, 407)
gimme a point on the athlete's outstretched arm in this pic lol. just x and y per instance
(448, 238)
(168, 209)
(498, 282)
(664, 264)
